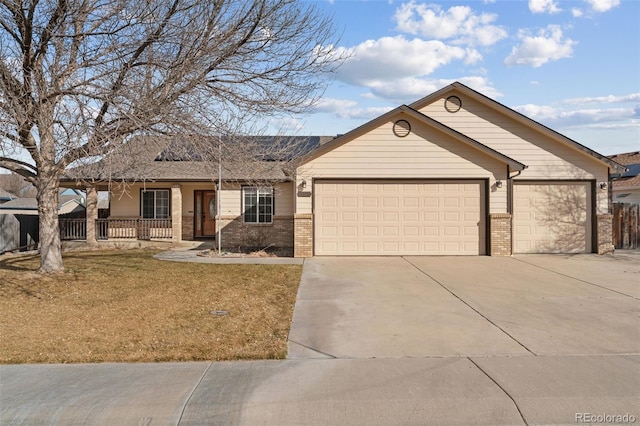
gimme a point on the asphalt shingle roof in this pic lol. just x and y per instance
(174, 159)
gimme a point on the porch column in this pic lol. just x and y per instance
(92, 214)
(176, 213)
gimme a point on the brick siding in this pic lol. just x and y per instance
(500, 234)
(187, 228)
(303, 235)
(236, 233)
(605, 233)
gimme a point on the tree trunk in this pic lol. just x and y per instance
(50, 249)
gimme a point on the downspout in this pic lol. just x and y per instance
(510, 199)
(510, 189)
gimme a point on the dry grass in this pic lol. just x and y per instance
(126, 306)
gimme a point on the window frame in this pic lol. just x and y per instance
(155, 203)
(259, 191)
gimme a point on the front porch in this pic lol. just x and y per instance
(166, 227)
(176, 212)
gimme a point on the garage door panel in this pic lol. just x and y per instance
(552, 217)
(388, 218)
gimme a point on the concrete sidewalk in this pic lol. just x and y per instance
(469, 391)
(194, 252)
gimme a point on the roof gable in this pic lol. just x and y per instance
(515, 115)
(430, 122)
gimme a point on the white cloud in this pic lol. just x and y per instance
(285, 126)
(411, 89)
(576, 12)
(391, 58)
(595, 117)
(603, 5)
(536, 50)
(347, 109)
(611, 99)
(544, 6)
(333, 105)
(362, 113)
(460, 24)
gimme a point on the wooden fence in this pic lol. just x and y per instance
(626, 226)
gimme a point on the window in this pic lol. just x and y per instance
(257, 204)
(155, 204)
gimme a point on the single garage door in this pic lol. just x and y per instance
(552, 217)
(399, 218)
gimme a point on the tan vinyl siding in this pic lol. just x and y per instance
(283, 193)
(546, 158)
(125, 199)
(424, 154)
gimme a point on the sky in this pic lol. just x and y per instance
(573, 66)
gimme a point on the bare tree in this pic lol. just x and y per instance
(79, 78)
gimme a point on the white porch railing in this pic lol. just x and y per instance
(117, 228)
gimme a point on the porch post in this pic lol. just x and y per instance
(92, 214)
(176, 213)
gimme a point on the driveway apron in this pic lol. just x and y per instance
(369, 307)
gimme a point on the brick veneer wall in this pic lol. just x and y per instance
(605, 233)
(500, 234)
(236, 233)
(187, 228)
(303, 235)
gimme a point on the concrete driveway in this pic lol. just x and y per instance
(381, 307)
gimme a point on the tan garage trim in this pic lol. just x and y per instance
(552, 217)
(369, 217)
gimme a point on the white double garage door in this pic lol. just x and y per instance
(445, 217)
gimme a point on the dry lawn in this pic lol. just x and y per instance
(126, 306)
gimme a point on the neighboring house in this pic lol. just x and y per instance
(626, 186)
(455, 173)
(19, 222)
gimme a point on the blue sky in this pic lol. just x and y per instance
(571, 65)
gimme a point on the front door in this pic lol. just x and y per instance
(205, 213)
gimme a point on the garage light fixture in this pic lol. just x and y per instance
(603, 185)
(303, 184)
(498, 184)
